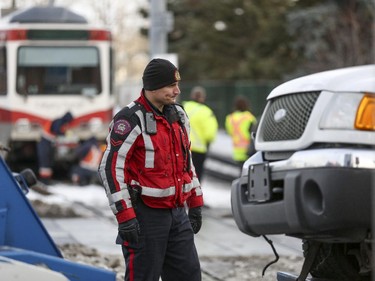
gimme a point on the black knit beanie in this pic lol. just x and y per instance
(158, 74)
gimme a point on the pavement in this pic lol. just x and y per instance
(218, 236)
(218, 240)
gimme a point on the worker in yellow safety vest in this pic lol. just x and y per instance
(239, 125)
(203, 127)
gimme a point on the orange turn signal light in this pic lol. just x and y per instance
(365, 118)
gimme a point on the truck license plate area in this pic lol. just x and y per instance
(259, 188)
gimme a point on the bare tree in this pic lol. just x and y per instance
(125, 22)
(333, 35)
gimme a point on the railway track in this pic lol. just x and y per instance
(221, 167)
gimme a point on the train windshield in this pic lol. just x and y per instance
(58, 71)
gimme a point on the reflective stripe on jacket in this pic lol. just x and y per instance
(203, 125)
(158, 165)
(238, 124)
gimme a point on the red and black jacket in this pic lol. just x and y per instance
(157, 163)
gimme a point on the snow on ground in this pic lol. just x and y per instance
(92, 195)
(216, 194)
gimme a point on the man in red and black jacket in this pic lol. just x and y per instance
(150, 181)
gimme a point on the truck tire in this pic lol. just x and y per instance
(334, 262)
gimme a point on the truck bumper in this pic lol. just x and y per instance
(326, 200)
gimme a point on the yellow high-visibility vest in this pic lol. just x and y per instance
(203, 125)
(237, 125)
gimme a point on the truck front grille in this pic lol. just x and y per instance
(287, 116)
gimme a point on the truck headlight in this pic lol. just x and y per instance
(350, 111)
(365, 118)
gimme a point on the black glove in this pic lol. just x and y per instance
(195, 217)
(129, 231)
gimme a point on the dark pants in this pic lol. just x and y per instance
(198, 161)
(166, 247)
(45, 153)
(85, 176)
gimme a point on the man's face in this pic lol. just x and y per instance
(166, 95)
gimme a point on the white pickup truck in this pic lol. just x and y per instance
(313, 175)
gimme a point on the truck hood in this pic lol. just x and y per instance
(351, 79)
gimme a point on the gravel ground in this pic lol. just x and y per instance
(247, 268)
(213, 268)
(237, 268)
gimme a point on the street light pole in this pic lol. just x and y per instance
(161, 24)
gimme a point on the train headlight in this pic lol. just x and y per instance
(22, 125)
(95, 124)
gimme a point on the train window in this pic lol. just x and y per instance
(3, 71)
(45, 70)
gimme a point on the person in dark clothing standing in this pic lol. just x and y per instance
(45, 147)
(151, 183)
